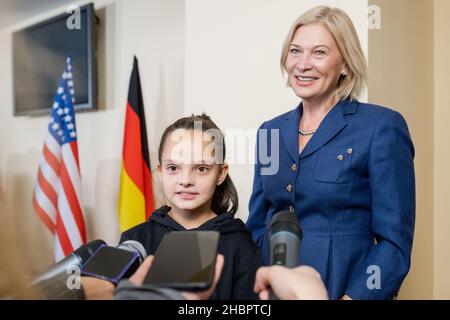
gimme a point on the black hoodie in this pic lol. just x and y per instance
(242, 255)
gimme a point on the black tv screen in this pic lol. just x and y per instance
(39, 57)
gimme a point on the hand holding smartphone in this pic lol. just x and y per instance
(185, 260)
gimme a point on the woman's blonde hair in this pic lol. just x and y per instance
(338, 23)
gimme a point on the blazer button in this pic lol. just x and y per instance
(294, 167)
(289, 188)
(349, 150)
(340, 157)
(291, 209)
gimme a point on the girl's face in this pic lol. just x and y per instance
(314, 63)
(189, 172)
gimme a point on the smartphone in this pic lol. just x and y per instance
(185, 260)
(110, 263)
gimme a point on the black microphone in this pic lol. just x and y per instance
(285, 236)
(115, 263)
(75, 259)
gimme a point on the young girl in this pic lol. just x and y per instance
(200, 196)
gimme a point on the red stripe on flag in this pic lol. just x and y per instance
(72, 200)
(74, 147)
(132, 148)
(47, 188)
(63, 236)
(51, 159)
(43, 216)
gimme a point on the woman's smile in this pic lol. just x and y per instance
(304, 81)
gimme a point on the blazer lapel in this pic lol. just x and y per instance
(289, 133)
(331, 125)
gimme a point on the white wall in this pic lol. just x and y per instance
(195, 55)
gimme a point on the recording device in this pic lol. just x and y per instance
(115, 263)
(76, 258)
(285, 236)
(185, 260)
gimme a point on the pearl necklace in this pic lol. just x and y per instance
(306, 133)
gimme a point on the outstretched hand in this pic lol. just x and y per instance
(138, 278)
(301, 283)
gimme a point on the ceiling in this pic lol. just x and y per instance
(14, 11)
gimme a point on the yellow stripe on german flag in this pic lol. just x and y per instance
(131, 203)
(136, 202)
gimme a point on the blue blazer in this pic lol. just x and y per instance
(353, 190)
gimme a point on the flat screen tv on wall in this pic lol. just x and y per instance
(39, 57)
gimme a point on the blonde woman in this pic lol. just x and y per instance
(345, 167)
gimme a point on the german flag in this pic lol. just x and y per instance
(136, 201)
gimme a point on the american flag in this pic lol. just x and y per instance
(57, 195)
